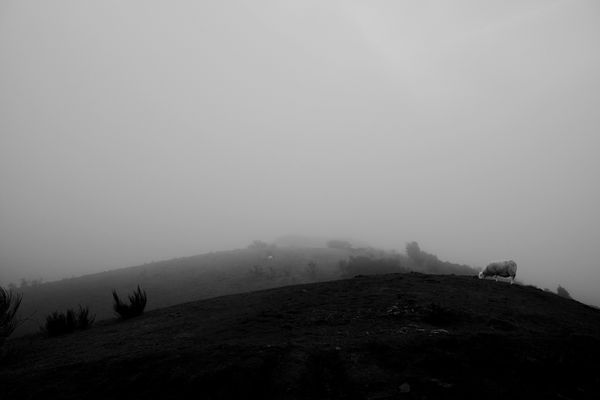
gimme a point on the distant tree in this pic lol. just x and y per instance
(413, 251)
(562, 292)
(24, 283)
(9, 305)
(137, 303)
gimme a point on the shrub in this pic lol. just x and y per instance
(84, 319)
(9, 304)
(59, 323)
(137, 303)
(562, 292)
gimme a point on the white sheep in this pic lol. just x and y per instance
(504, 269)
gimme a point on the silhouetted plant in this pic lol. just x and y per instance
(59, 323)
(137, 303)
(413, 251)
(9, 304)
(562, 292)
(84, 319)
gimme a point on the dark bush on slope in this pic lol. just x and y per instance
(84, 319)
(562, 292)
(9, 304)
(59, 323)
(137, 303)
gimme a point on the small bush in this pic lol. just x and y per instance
(562, 292)
(9, 304)
(84, 319)
(59, 323)
(137, 303)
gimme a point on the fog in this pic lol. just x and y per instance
(133, 131)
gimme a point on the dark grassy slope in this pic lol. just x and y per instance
(180, 280)
(378, 337)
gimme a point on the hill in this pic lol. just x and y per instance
(378, 337)
(260, 266)
(183, 279)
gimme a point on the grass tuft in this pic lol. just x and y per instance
(59, 323)
(136, 306)
(9, 305)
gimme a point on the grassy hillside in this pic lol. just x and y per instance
(180, 280)
(379, 337)
(260, 266)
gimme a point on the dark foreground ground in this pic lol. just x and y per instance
(408, 336)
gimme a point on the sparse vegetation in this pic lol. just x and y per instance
(213, 274)
(136, 306)
(59, 323)
(9, 305)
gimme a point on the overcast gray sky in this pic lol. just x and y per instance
(133, 131)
